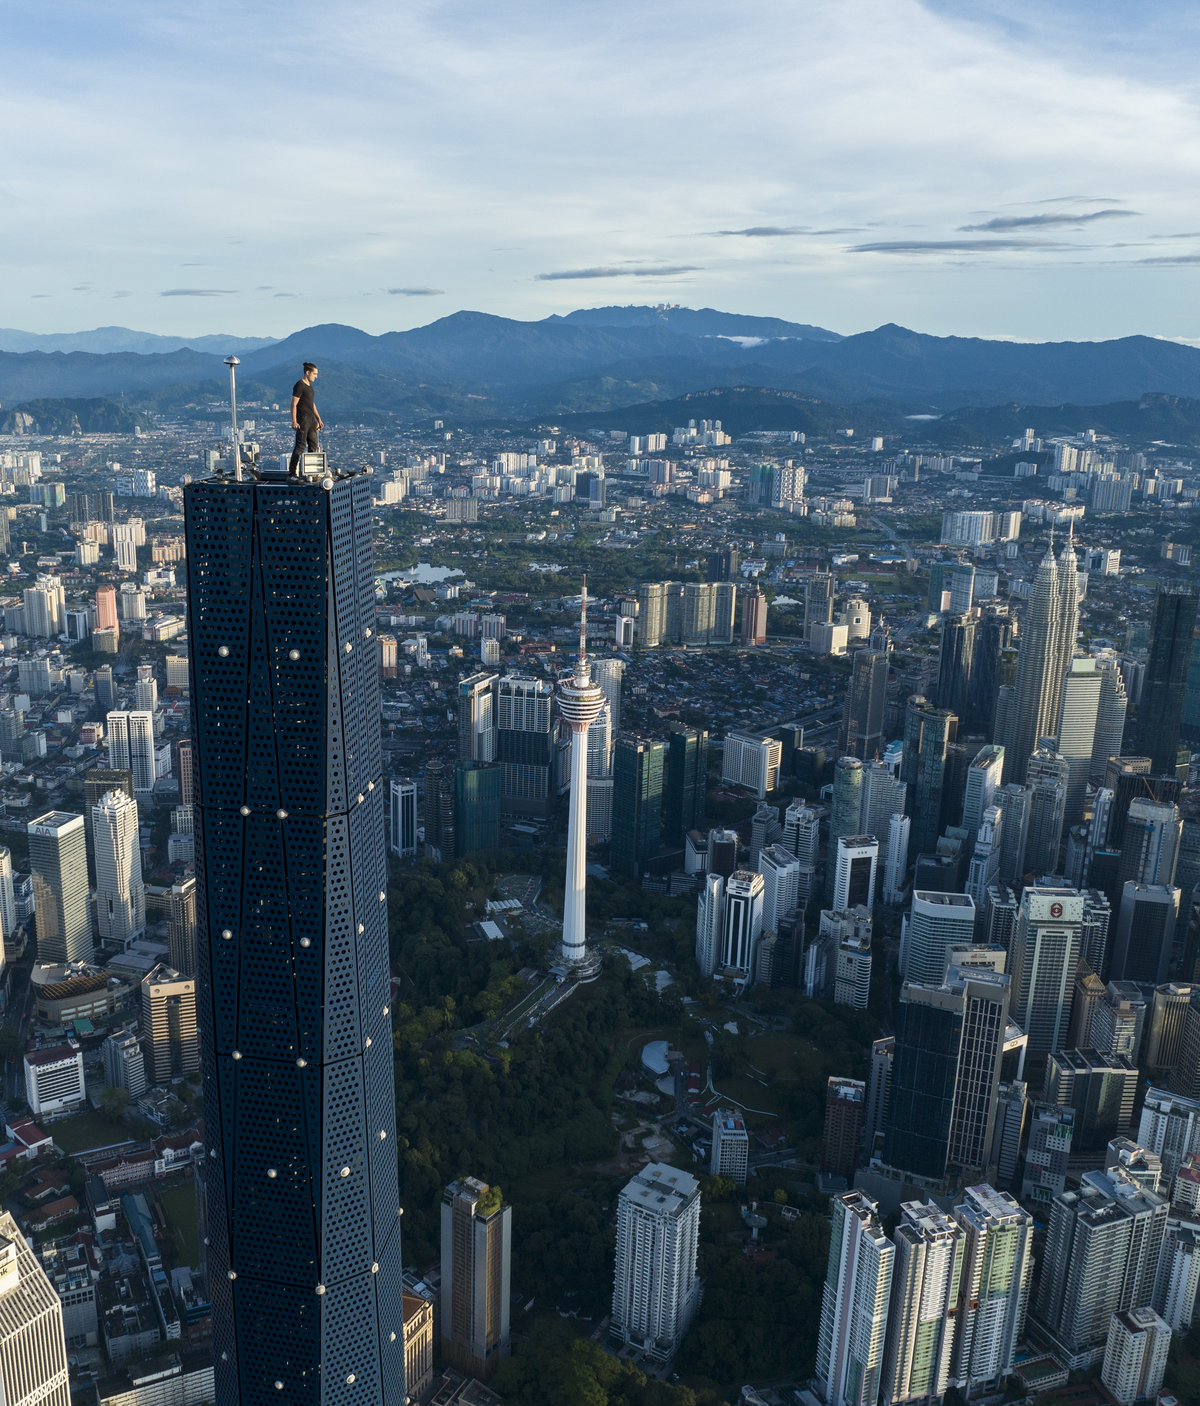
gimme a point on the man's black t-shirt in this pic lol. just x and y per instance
(306, 409)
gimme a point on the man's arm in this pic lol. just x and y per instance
(295, 402)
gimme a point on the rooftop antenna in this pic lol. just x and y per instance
(232, 362)
(583, 624)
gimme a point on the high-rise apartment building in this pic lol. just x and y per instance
(724, 608)
(656, 1291)
(131, 746)
(993, 1286)
(477, 718)
(862, 720)
(923, 1315)
(106, 608)
(1170, 1128)
(818, 602)
(304, 1267)
(1135, 1355)
(475, 1293)
(58, 859)
(169, 1024)
(145, 689)
(1043, 956)
(780, 870)
(854, 1307)
(842, 1133)
(1160, 710)
(8, 898)
(730, 1146)
(1050, 1135)
(686, 783)
(120, 893)
(754, 616)
(638, 763)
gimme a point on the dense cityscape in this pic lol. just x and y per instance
(509, 914)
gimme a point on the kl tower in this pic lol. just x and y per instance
(580, 702)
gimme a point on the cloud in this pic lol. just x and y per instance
(287, 295)
(41, 295)
(1040, 221)
(765, 231)
(1172, 259)
(196, 292)
(123, 293)
(83, 288)
(952, 246)
(418, 292)
(662, 271)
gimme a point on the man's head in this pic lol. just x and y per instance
(310, 371)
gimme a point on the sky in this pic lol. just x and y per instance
(1007, 169)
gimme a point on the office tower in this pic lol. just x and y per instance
(862, 719)
(895, 873)
(1170, 1128)
(97, 783)
(1185, 1076)
(1110, 716)
(723, 564)
(1046, 1158)
(120, 895)
(524, 745)
(983, 781)
(1047, 774)
(44, 608)
(124, 1065)
(923, 1313)
(752, 759)
(956, 658)
(938, 729)
(476, 1240)
(1099, 1087)
(106, 691)
(850, 930)
(841, 1136)
(962, 587)
(1077, 730)
(1012, 1105)
(780, 872)
(1150, 843)
(686, 783)
(724, 608)
(145, 690)
(404, 819)
(1129, 779)
(710, 923)
(1047, 643)
(33, 1352)
(1160, 710)
(169, 1024)
(106, 608)
(743, 920)
(993, 667)
(818, 602)
(608, 675)
(1015, 802)
(765, 830)
(855, 1303)
(1089, 993)
(291, 873)
(878, 1086)
(1164, 1034)
(580, 702)
(697, 612)
(58, 859)
(1044, 953)
(1187, 862)
(131, 747)
(985, 860)
(846, 814)
(730, 1146)
(1097, 916)
(1135, 1355)
(476, 808)
(8, 900)
(882, 797)
(754, 616)
(477, 718)
(1178, 1273)
(934, 923)
(854, 875)
(181, 927)
(946, 1073)
(438, 812)
(1145, 931)
(656, 1291)
(599, 748)
(722, 852)
(1118, 1020)
(993, 1286)
(638, 763)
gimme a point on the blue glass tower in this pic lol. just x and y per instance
(300, 1178)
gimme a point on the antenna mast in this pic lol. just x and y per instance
(583, 622)
(232, 362)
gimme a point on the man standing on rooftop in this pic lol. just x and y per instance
(306, 420)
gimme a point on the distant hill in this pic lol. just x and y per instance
(697, 322)
(123, 339)
(42, 375)
(94, 415)
(1152, 418)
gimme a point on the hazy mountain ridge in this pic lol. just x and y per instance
(124, 339)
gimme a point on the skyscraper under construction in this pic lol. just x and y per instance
(300, 1177)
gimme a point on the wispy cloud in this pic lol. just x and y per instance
(1172, 259)
(123, 293)
(418, 292)
(197, 292)
(776, 231)
(660, 271)
(1043, 221)
(952, 246)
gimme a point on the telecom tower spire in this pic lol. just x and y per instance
(580, 702)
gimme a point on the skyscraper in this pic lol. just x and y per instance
(956, 658)
(1077, 722)
(131, 746)
(58, 859)
(862, 720)
(993, 1288)
(895, 873)
(780, 870)
(1160, 710)
(1149, 843)
(476, 1255)
(524, 745)
(994, 666)
(1043, 956)
(304, 1264)
(1145, 931)
(404, 818)
(818, 602)
(856, 867)
(1047, 774)
(846, 815)
(476, 808)
(1110, 716)
(743, 921)
(656, 1291)
(1047, 642)
(181, 927)
(938, 729)
(477, 718)
(33, 1351)
(854, 1305)
(883, 796)
(686, 783)
(608, 674)
(120, 893)
(935, 923)
(754, 616)
(169, 1024)
(1016, 803)
(923, 1316)
(637, 803)
(983, 781)
(580, 702)
(439, 810)
(710, 921)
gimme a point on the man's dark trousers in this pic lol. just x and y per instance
(306, 442)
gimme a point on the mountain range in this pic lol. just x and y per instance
(473, 367)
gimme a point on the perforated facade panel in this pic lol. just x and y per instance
(301, 1185)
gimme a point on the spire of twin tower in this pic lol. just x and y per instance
(1047, 644)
